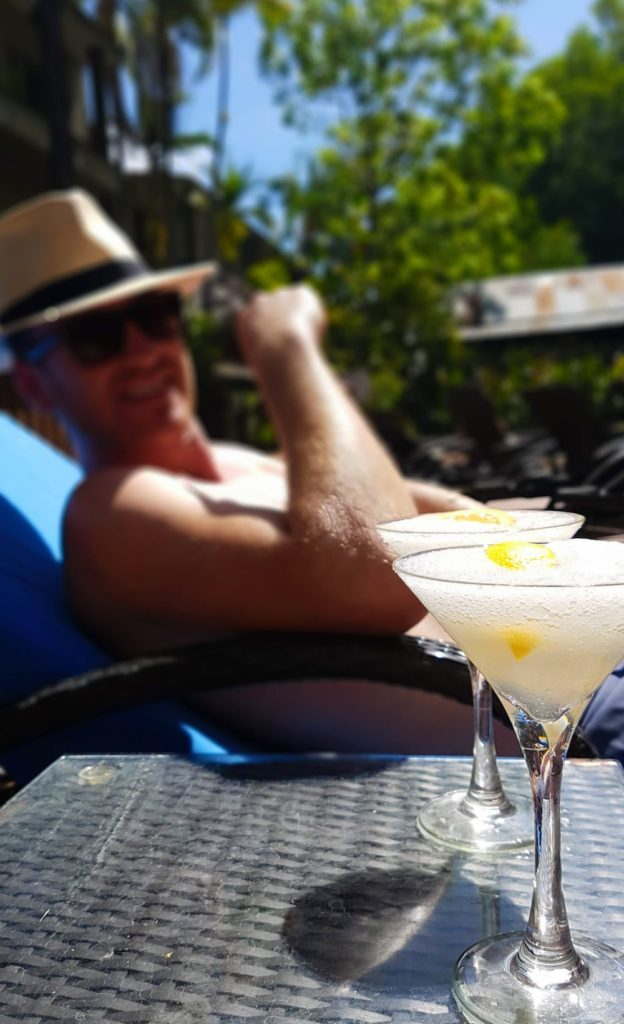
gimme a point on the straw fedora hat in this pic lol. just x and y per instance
(60, 254)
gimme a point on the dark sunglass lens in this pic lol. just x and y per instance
(159, 315)
(94, 337)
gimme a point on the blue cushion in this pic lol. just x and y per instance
(39, 643)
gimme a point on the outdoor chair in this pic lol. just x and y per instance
(592, 479)
(562, 410)
(572, 455)
(39, 643)
(413, 662)
(61, 694)
(482, 458)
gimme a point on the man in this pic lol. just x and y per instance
(171, 537)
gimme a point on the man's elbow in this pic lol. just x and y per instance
(393, 616)
(379, 603)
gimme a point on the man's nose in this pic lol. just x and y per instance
(137, 343)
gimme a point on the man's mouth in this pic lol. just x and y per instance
(146, 390)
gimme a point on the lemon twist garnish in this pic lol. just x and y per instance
(488, 516)
(521, 642)
(520, 554)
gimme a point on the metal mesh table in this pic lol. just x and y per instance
(154, 890)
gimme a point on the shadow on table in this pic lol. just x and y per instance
(288, 767)
(397, 931)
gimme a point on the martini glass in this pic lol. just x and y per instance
(481, 819)
(545, 623)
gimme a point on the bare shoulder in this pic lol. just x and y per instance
(147, 522)
(118, 517)
(118, 488)
(234, 459)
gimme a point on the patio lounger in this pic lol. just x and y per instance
(39, 644)
(59, 693)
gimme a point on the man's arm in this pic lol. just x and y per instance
(147, 558)
(339, 473)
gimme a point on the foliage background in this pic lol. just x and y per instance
(445, 161)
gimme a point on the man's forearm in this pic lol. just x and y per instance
(336, 465)
(342, 481)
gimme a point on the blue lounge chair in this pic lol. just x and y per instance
(39, 644)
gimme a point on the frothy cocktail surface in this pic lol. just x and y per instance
(544, 623)
(474, 526)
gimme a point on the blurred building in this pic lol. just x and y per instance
(56, 66)
(583, 302)
(63, 124)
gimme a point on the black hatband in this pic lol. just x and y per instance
(73, 286)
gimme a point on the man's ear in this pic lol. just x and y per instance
(30, 387)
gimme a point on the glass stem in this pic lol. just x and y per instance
(486, 789)
(547, 958)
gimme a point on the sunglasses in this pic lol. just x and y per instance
(96, 337)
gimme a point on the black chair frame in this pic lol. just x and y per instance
(409, 661)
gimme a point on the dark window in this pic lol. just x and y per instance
(140, 231)
(93, 94)
(20, 80)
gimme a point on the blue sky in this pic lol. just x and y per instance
(256, 137)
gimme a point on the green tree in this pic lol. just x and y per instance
(582, 178)
(432, 131)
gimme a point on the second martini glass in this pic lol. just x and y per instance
(481, 819)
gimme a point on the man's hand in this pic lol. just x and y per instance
(273, 320)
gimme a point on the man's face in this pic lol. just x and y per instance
(123, 386)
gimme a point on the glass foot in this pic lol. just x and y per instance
(487, 993)
(449, 820)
